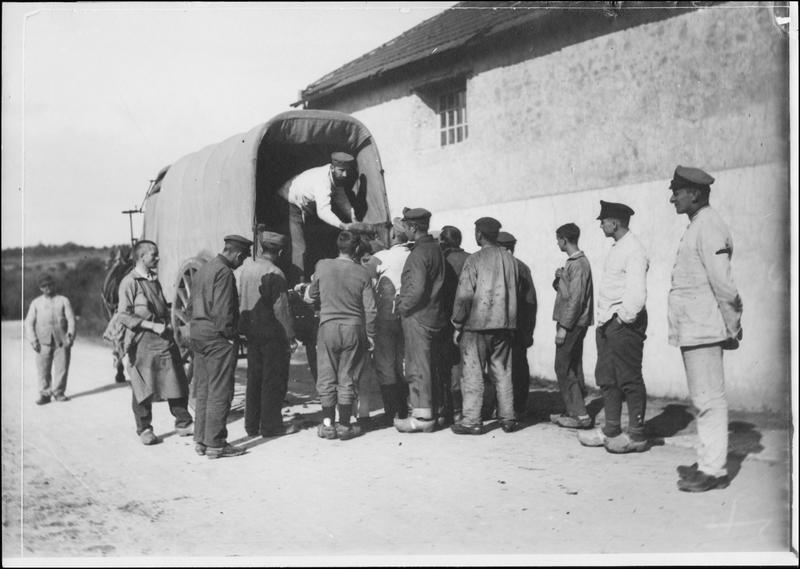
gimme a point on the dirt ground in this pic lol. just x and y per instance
(77, 483)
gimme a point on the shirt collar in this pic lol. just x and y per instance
(575, 255)
(148, 276)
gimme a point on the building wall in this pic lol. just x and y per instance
(610, 118)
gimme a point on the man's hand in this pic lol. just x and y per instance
(457, 337)
(37, 347)
(561, 335)
(559, 271)
(370, 344)
(158, 328)
(293, 345)
(70, 339)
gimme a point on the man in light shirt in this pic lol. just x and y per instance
(319, 193)
(50, 327)
(621, 327)
(705, 318)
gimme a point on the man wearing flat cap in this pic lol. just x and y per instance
(485, 316)
(620, 333)
(214, 334)
(317, 195)
(50, 327)
(705, 312)
(386, 269)
(267, 323)
(526, 323)
(421, 307)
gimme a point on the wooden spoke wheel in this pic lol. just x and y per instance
(182, 311)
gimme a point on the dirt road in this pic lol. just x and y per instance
(78, 483)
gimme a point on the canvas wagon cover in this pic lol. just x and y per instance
(212, 193)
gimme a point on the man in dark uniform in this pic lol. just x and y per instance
(421, 307)
(526, 322)
(267, 323)
(450, 357)
(214, 335)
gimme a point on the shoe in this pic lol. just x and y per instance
(289, 429)
(686, 471)
(224, 452)
(414, 425)
(43, 400)
(365, 423)
(571, 422)
(185, 431)
(326, 432)
(60, 397)
(702, 482)
(462, 429)
(593, 438)
(200, 449)
(345, 432)
(148, 437)
(623, 444)
(509, 426)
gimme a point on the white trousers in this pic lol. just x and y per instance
(706, 379)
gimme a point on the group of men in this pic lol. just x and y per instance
(446, 332)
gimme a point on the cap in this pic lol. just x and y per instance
(342, 159)
(506, 238)
(242, 242)
(45, 279)
(415, 214)
(686, 176)
(270, 239)
(615, 210)
(489, 226)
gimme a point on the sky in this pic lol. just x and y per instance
(98, 97)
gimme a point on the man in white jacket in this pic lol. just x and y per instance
(705, 312)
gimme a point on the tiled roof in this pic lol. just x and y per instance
(464, 25)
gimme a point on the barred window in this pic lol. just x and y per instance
(453, 117)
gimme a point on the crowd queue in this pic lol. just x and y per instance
(445, 333)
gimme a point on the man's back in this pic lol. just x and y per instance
(344, 290)
(422, 280)
(215, 302)
(486, 298)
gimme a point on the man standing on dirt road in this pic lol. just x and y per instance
(621, 328)
(343, 288)
(485, 318)
(214, 335)
(421, 306)
(705, 318)
(50, 326)
(267, 323)
(154, 363)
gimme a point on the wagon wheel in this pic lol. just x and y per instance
(181, 314)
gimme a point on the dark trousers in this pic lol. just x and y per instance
(388, 354)
(520, 376)
(419, 345)
(619, 374)
(143, 413)
(214, 367)
(267, 382)
(447, 374)
(341, 354)
(569, 371)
